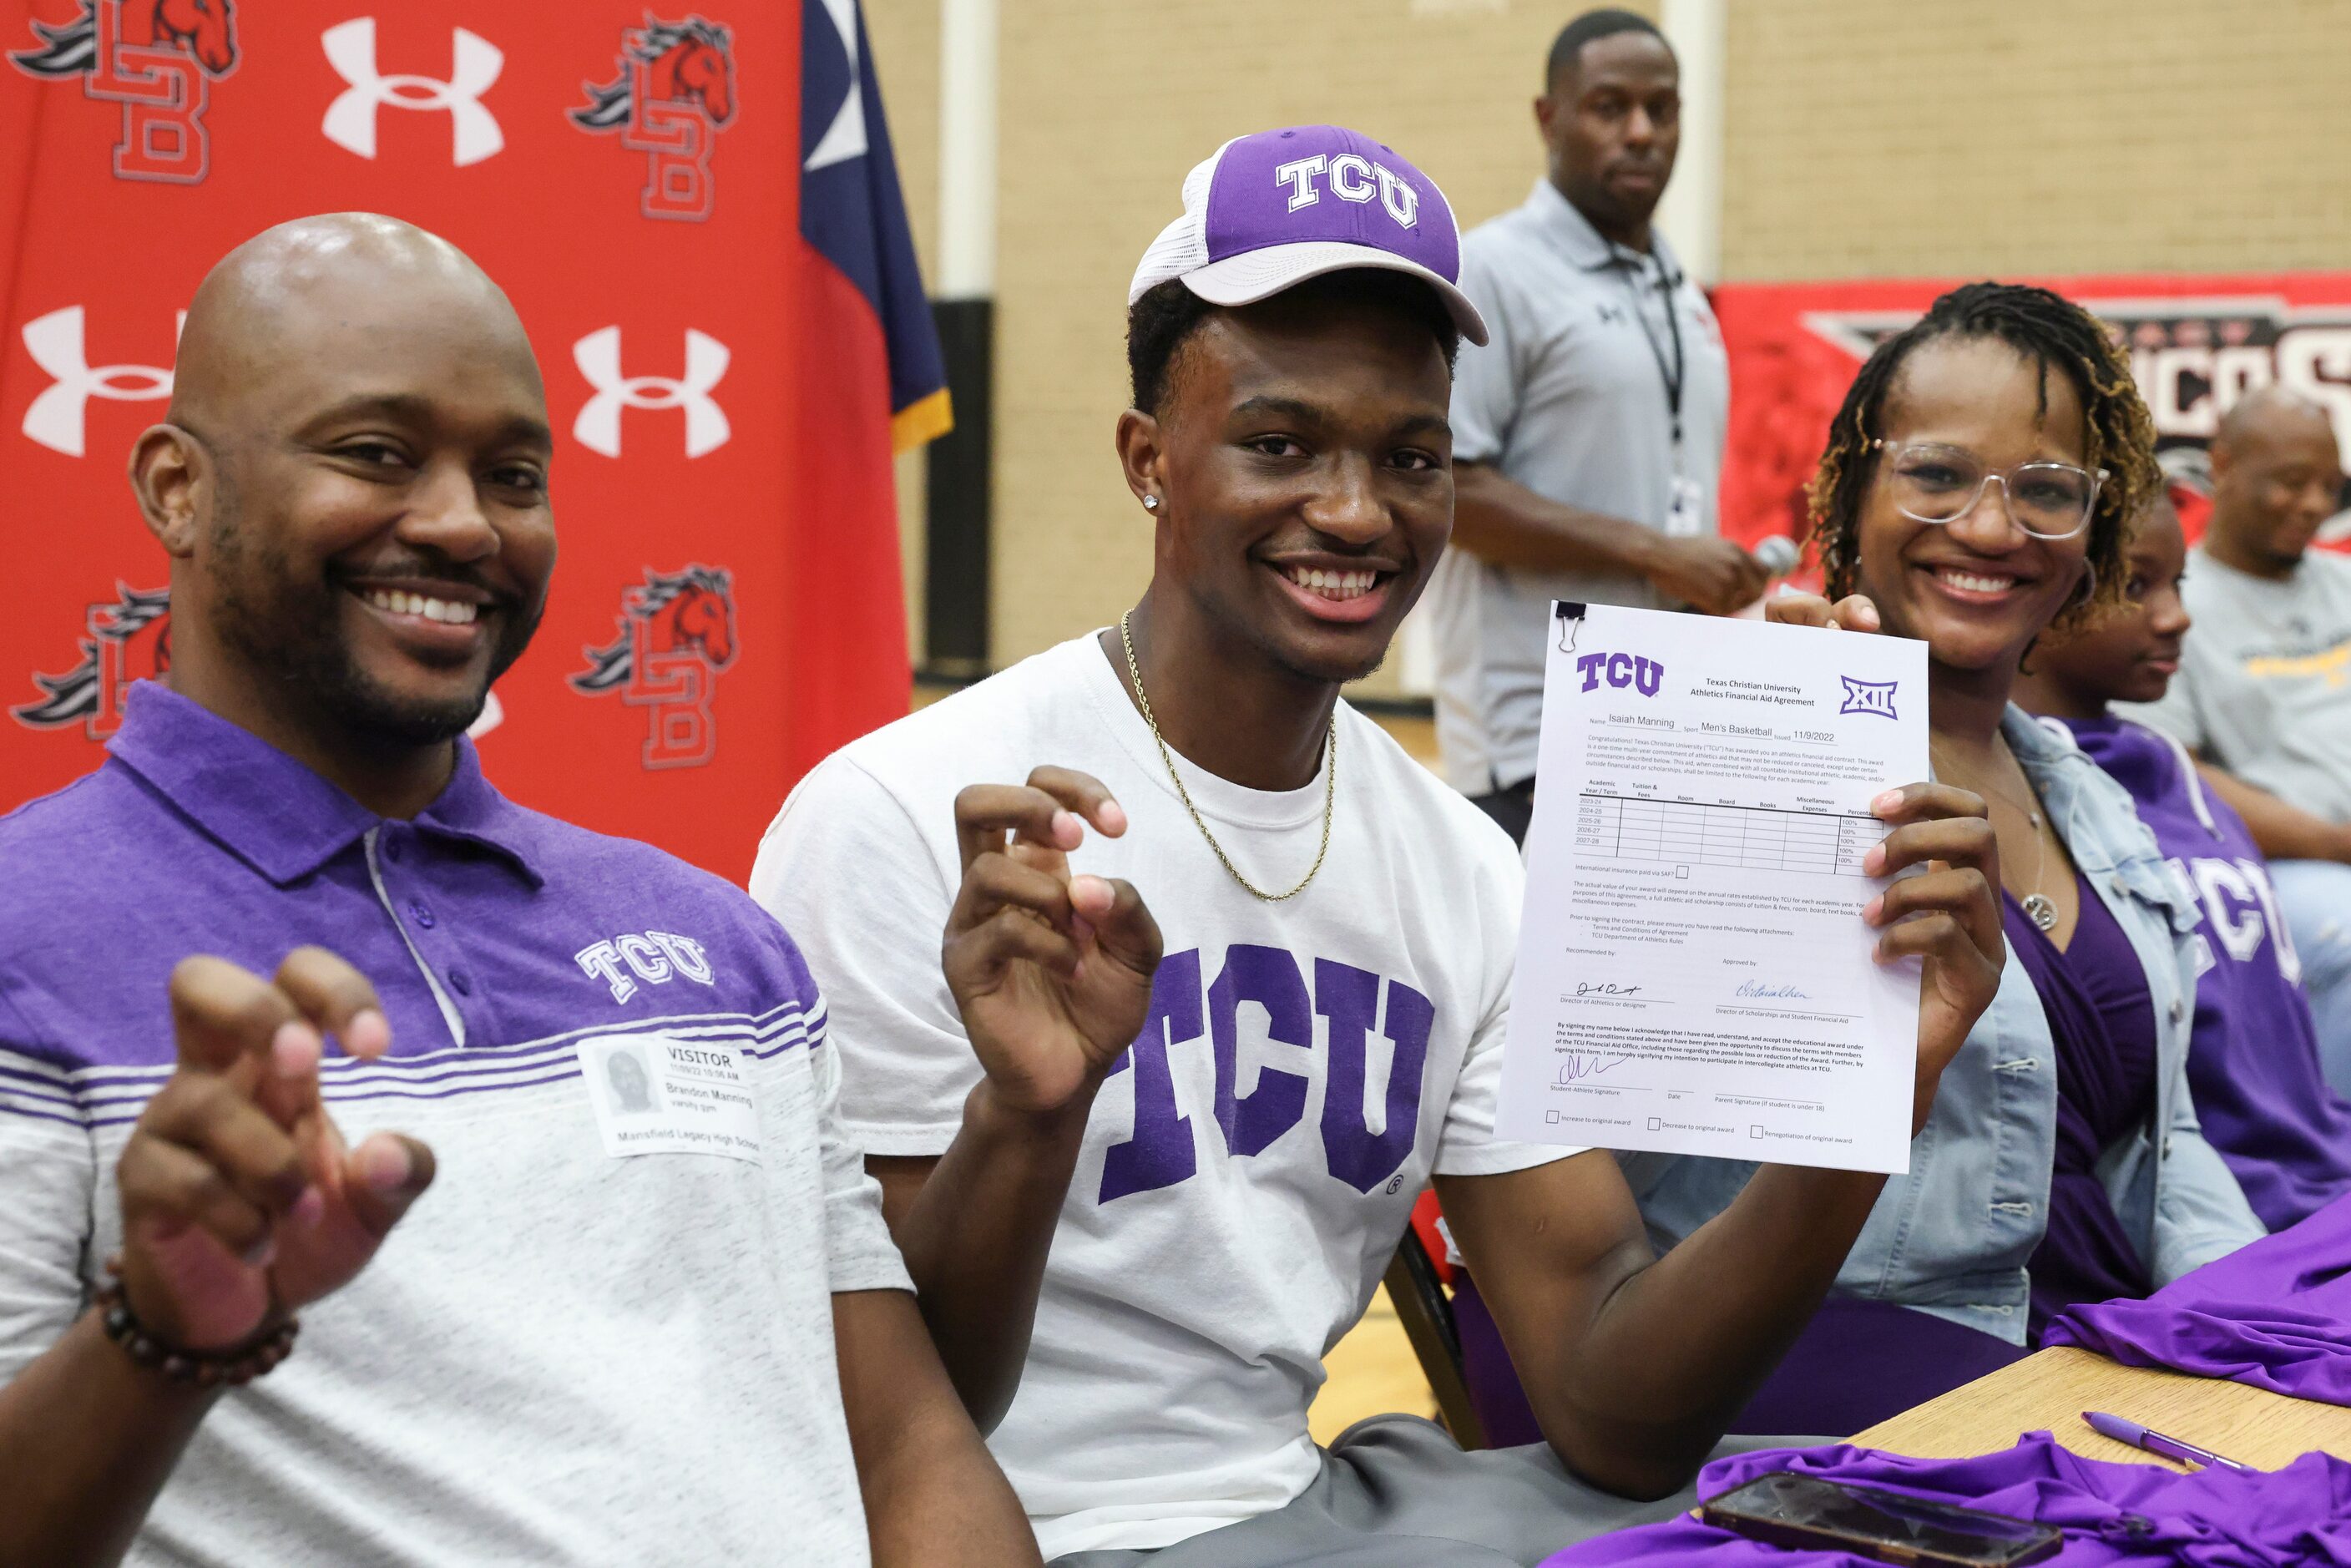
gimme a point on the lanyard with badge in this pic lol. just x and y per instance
(1686, 516)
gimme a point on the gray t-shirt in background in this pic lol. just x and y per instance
(1569, 399)
(2264, 681)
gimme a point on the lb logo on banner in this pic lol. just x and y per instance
(125, 641)
(2196, 344)
(734, 343)
(674, 91)
(154, 57)
(677, 634)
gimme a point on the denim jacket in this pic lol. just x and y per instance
(1953, 1236)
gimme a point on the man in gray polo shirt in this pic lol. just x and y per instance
(1588, 434)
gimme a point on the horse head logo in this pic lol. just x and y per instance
(204, 30)
(695, 609)
(691, 61)
(677, 634)
(686, 612)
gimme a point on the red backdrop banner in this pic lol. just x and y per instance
(722, 366)
(2196, 344)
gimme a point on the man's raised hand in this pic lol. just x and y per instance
(1052, 971)
(240, 1201)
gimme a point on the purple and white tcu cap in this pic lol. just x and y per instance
(1266, 212)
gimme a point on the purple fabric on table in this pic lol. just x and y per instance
(1856, 1364)
(2276, 1314)
(2113, 1515)
(2253, 1058)
(2103, 1021)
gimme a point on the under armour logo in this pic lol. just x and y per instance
(475, 66)
(597, 428)
(56, 417)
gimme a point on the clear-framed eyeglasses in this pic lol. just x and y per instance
(1933, 483)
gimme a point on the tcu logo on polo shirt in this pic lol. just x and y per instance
(475, 65)
(1354, 1005)
(58, 414)
(656, 957)
(1351, 177)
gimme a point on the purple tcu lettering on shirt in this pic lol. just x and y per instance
(1621, 670)
(1160, 1151)
(657, 956)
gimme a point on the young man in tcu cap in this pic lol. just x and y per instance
(1147, 1165)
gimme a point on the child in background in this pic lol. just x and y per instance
(2252, 1062)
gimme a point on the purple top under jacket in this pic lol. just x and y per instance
(2113, 1515)
(2102, 1019)
(2276, 1314)
(2253, 1063)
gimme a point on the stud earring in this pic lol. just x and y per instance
(1150, 503)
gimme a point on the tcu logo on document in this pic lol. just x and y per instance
(1351, 177)
(1621, 670)
(677, 634)
(676, 91)
(128, 640)
(654, 957)
(475, 65)
(154, 57)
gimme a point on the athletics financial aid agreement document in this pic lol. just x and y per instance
(1694, 974)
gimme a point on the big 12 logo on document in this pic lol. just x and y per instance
(156, 58)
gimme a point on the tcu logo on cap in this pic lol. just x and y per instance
(1352, 177)
(56, 418)
(475, 63)
(1644, 676)
(597, 428)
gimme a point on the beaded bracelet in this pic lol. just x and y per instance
(196, 1367)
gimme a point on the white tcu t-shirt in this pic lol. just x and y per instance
(1252, 1162)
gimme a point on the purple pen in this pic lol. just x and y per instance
(2155, 1442)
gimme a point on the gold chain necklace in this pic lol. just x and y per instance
(2038, 906)
(1330, 787)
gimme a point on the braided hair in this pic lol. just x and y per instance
(2046, 329)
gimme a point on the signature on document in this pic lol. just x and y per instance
(1579, 1066)
(1605, 988)
(1767, 988)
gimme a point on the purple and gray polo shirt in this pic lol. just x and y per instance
(605, 1335)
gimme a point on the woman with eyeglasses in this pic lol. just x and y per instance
(1975, 493)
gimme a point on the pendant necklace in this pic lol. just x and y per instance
(2038, 906)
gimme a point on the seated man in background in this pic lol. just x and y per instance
(2263, 692)
(1142, 1195)
(598, 1341)
(2252, 1059)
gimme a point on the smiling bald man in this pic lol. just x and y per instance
(658, 1326)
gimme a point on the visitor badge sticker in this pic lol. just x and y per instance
(657, 1095)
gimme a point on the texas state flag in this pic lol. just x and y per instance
(871, 384)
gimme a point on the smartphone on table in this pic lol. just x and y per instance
(1785, 1508)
